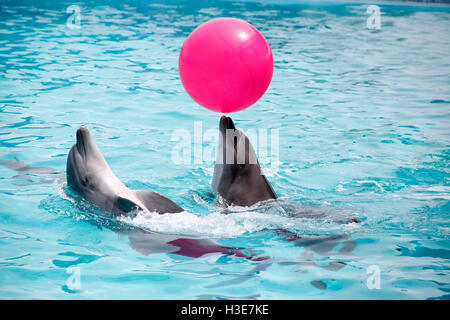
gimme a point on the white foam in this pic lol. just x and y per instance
(219, 225)
(216, 225)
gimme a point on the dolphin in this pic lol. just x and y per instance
(26, 173)
(89, 174)
(238, 178)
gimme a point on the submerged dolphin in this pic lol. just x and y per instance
(27, 175)
(89, 174)
(237, 175)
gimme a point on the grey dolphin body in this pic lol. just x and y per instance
(237, 175)
(89, 174)
(238, 179)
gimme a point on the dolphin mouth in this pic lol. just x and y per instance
(82, 138)
(229, 139)
(225, 124)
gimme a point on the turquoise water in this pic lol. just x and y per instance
(363, 118)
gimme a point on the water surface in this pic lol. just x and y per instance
(363, 118)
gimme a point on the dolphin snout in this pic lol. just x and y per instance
(226, 123)
(83, 136)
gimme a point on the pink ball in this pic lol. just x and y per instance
(225, 65)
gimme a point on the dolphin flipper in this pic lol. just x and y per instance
(126, 205)
(272, 193)
(154, 202)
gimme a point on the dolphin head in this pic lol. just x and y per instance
(89, 174)
(86, 147)
(83, 161)
(235, 152)
(237, 175)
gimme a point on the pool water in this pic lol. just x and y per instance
(363, 118)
